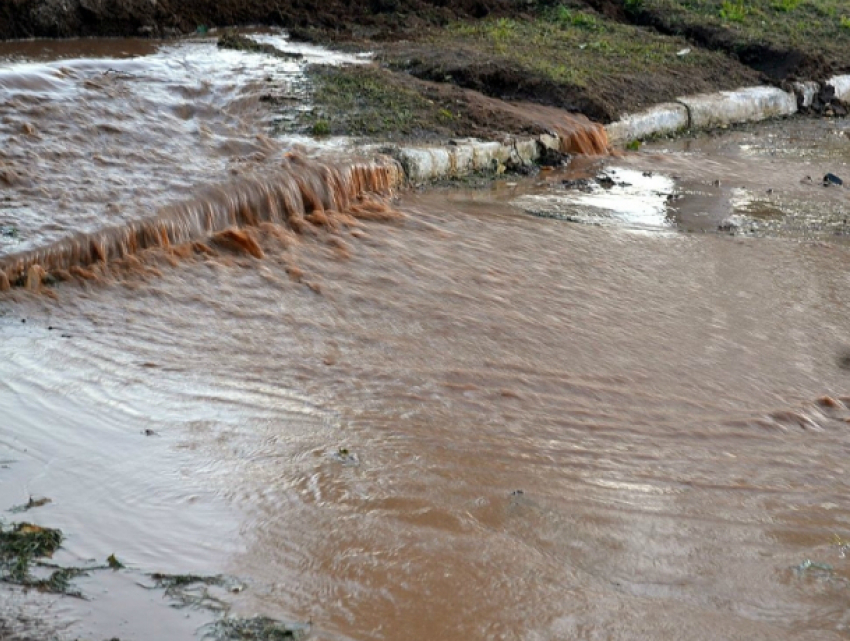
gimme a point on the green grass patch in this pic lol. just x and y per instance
(367, 101)
(785, 5)
(577, 48)
(817, 27)
(733, 11)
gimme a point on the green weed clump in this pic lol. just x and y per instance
(564, 18)
(254, 629)
(733, 11)
(785, 6)
(321, 128)
(20, 544)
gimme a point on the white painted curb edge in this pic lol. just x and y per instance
(704, 111)
(841, 84)
(462, 157)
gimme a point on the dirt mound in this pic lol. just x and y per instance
(506, 80)
(375, 18)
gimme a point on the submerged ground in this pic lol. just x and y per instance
(606, 400)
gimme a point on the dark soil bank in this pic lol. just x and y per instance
(346, 18)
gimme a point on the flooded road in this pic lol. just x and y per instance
(467, 422)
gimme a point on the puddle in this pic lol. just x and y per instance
(617, 196)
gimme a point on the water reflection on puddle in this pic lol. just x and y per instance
(618, 196)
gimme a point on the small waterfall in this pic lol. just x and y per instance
(301, 193)
(579, 135)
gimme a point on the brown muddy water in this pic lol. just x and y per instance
(466, 422)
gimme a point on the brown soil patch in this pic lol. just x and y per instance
(332, 18)
(601, 68)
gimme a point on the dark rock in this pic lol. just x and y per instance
(605, 181)
(552, 157)
(832, 179)
(582, 184)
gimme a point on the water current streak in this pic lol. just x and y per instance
(301, 190)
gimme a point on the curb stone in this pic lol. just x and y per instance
(806, 92)
(462, 157)
(749, 104)
(705, 111)
(666, 118)
(841, 84)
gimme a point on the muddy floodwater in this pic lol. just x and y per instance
(605, 402)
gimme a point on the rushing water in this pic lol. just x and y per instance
(616, 430)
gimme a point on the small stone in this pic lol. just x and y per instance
(832, 179)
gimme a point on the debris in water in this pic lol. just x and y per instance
(817, 569)
(832, 179)
(344, 456)
(231, 40)
(193, 590)
(844, 360)
(605, 181)
(33, 502)
(21, 544)
(731, 224)
(255, 629)
(582, 184)
(843, 546)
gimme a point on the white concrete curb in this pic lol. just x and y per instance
(806, 92)
(841, 84)
(750, 104)
(666, 118)
(704, 111)
(424, 164)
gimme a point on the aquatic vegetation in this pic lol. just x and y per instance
(22, 545)
(254, 629)
(193, 590)
(29, 505)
